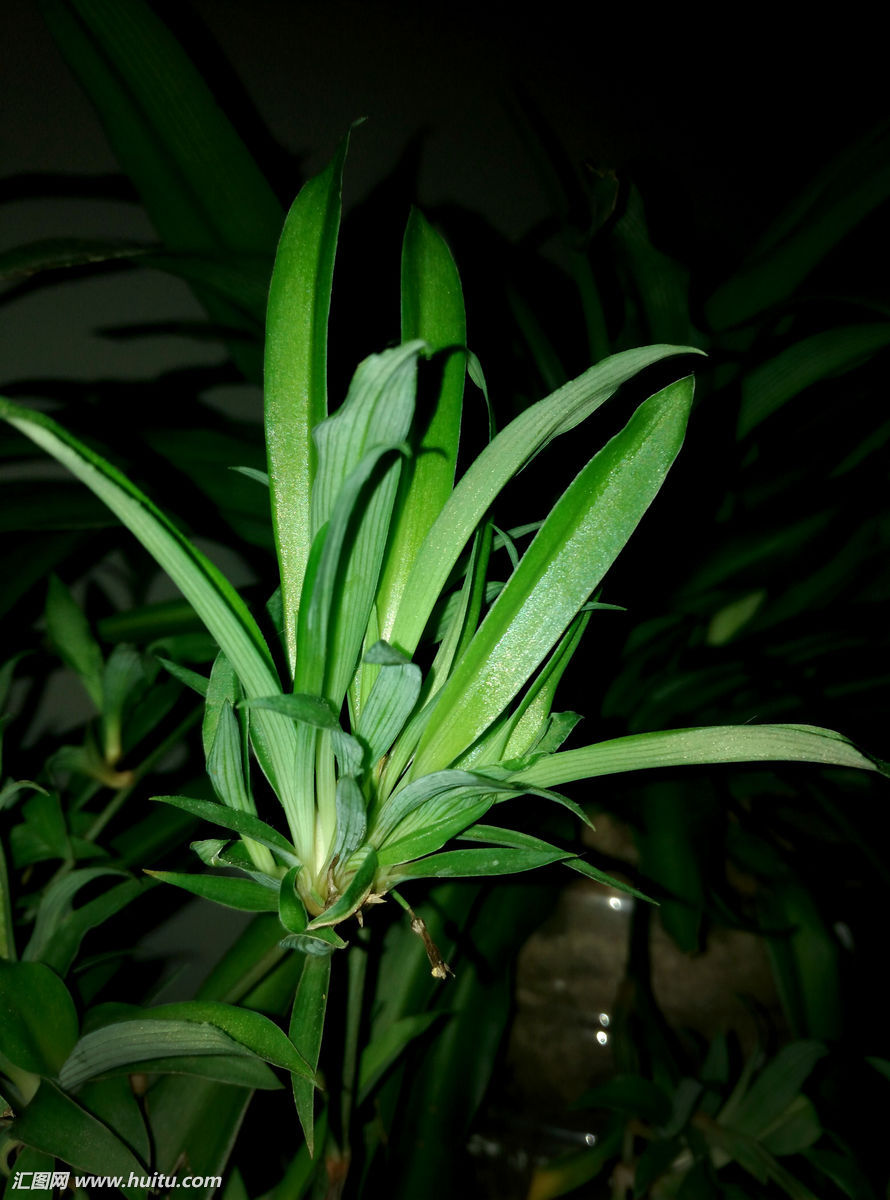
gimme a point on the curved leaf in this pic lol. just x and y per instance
(684, 747)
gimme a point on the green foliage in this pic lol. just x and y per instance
(359, 729)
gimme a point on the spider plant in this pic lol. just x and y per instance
(408, 694)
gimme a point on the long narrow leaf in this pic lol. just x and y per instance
(683, 747)
(113, 1046)
(461, 864)
(306, 1028)
(432, 310)
(207, 590)
(571, 553)
(246, 824)
(295, 373)
(512, 449)
(243, 894)
(823, 355)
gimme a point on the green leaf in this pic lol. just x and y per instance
(306, 1028)
(295, 373)
(755, 1159)
(291, 910)
(130, 1042)
(198, 181)
(461, 864)
(432, 310)
(243, 823)
(847, 188)
(631, 1095)
(122, 679)
(824, 355)
(684, 747)
(372, 423)
(383, 1051)
(660, 283)
(591, 872)
(225, 763)
(532, 720)
(389, 705)
(60, 928)
(244, 894)
(844, 1172)
(222, 688)
(70, 633)
(7, 916)
(210, 594)
(456, 786)
(881, 1065)
(322, 942)
(43, 834)
(446, 817)
(497, 836)
(56, 1124)
(198, 1121)
(250, 1029)
(511, 450)
(467, 607)
(192, 679)
(313, 710)
(364, 865)
(382, 654)
(579, 541)
(229, 773)
(767, 1100)
(352, 821)
(795, 1130)
(37, 1016)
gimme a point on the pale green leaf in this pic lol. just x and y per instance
(511, 450)
(295, 373)
(683, 747)
(388, 707)
(364, 865)
(582, 536)
(352, 822)
(432, 310)
(313, 710)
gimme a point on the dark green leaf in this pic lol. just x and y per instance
(244, 894)
(243, 823)
(306, 1027)
(37, 1017)
(458, 864)
(56, 1124)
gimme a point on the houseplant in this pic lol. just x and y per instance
(428, 271)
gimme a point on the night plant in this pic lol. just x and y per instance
(409, 694)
